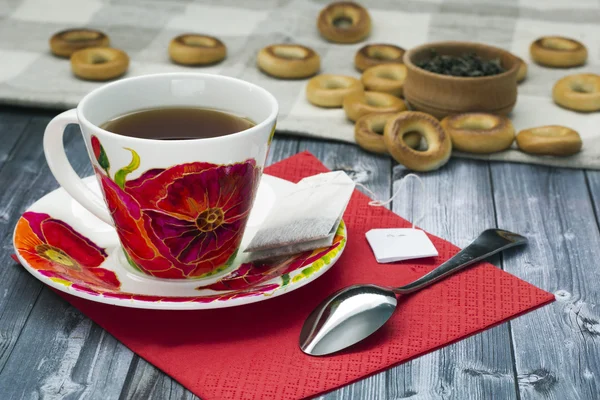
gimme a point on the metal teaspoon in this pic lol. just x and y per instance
(355, 312)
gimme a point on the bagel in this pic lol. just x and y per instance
(193, 49)
(386, 78)
(368, 133)
(344, 22)
(559, 52)
(439, 145)
(580, 92)
(99, 63)
(329, 90)
(288, 61)
(479, 133)
(361, 103)
(376, 54)
(65, 43)
(551, 140)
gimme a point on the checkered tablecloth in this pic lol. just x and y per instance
(30, 75)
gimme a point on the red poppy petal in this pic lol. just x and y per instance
(254, 291)
(246, 275)
(118, 295)
(96, 146)
(171, 273)
(26, 240)
(164, 250)
(174, 233)
(126, 213)
(153, 266)
(118, 200)
(33, 259)
(84, 288)
(187, 244)
(188, 195)
(62, 236)
(148, 189)
(149, 298)
(151, 173)
(107, 277)
(54, 274)
(35, 221)
(178, 299)
(205, 267)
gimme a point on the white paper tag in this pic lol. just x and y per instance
(400, 244)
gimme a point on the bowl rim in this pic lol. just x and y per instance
(410, 65)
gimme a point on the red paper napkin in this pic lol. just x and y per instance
(251, 352)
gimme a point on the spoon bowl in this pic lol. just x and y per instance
(347, 317)
(355, 312)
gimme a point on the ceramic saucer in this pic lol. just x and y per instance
(66, 247)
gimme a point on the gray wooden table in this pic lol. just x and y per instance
(49, 350)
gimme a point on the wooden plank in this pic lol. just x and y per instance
(57, 349)
(557, 348)
(18, 288)
(12, 126)
(593, 183)
(144, 381)
(458, 206)
(282, 147)
(61, 353)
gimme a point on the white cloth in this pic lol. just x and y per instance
(30, 75)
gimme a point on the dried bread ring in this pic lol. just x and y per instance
(376, 54)
(67, 42)
(193, 49)
(579, 92)
(362, 103)
(99, 63)
(368, 133)
(288, 61)
(439, 145)
(386, 78)
(329, 90)
(551, 140)
(558, 51)
(344, 22)
(479, 133)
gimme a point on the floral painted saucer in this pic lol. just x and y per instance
(66, 247)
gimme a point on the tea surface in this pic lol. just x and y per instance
(177, 123)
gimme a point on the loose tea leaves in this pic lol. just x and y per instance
(467, 65)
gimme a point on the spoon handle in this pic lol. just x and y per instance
(488, 243)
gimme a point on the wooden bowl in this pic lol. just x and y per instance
(442, 95)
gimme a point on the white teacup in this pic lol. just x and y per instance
(180, 207)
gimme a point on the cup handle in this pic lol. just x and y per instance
(63, 171)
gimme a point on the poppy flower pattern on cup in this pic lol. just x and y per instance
(57, 251)
(185, 221)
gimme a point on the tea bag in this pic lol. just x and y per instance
(304, 218)
(397, 244)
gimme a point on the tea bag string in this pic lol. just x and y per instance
(381, 203)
